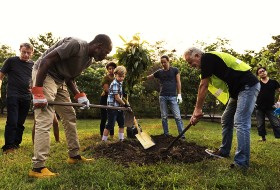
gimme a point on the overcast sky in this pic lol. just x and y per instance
(248, 24)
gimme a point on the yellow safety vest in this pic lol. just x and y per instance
(218, 87)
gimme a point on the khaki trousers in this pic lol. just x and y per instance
(44, 119)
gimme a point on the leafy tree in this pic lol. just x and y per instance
(248, 57)
(90, 83)
(274, 47)
(159, 50)
(42, 43)
(189, 81)
(269, 57)
(221, 44)
(5, 53)
(135, 56)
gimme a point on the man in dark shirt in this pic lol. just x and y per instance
(19, 70)
(234, 83)
(265, 104)
(170, 86)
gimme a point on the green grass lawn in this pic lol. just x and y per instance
(264, 172)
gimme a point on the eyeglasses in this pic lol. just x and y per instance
(261, 71)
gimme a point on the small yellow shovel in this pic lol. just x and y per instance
(145, 139)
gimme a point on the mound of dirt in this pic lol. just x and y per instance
(131, 151)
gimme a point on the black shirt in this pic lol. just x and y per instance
(212, 64)
(19, 77)
(266, 96)
(168, 82)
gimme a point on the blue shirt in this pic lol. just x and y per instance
(168, 81)
(114, 89)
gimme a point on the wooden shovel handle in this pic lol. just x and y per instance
(178, 137)
(136, 125)
(91, 105)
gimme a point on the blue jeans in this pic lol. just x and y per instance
(103, 101)
(112, 117)
(238, 114)
(274, 121)
(17, 111)
(170, 101)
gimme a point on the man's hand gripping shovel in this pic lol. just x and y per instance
(164, 150)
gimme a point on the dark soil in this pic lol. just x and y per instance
(131, 151)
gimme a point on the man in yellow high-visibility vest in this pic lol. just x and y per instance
(231, 81)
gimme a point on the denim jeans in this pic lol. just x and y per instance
(238, 114)
(170, 101)
(17, 111)
(113, 116)
(274, 121)
(103, 114)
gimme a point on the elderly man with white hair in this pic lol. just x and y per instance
(231, 81)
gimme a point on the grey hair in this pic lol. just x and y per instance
(192, 51)
(27, 45)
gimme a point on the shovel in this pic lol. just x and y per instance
(129, 114)
(176, 139)
(53, 103)
(145, 139)
(179, 136)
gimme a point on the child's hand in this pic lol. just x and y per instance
(126, 105)
(277, 105)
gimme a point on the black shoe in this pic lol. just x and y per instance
(238, 167)
(263, 139)
(216, 153)
(166, 135)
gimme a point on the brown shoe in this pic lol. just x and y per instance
(9, 151)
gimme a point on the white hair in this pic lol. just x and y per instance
(192, 51)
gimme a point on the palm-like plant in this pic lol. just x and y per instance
(136, 58)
